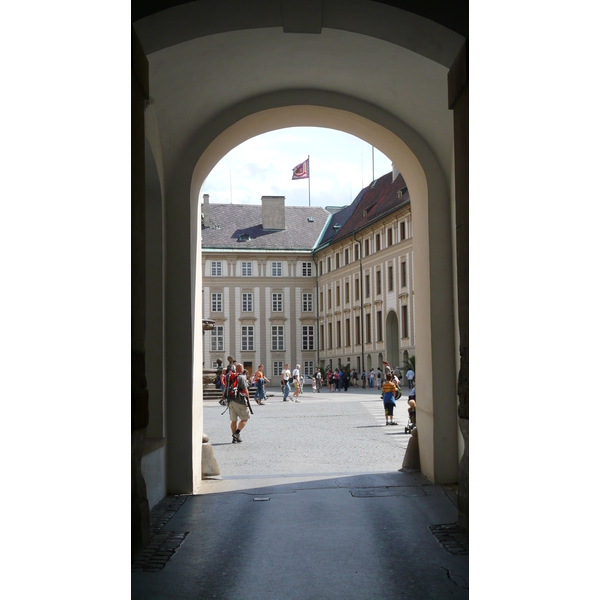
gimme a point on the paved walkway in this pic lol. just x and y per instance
(310, 505)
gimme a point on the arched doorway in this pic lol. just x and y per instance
(392, 346)
(198, 129)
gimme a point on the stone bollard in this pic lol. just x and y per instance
(210, 468)
(411, 461)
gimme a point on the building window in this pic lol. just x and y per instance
(377, 243)
(346, 256)
(322, 340)
(246, 302)
(378, 283)
(307, 302)
(306, 269)
(366, 247)
(217, 339)
(308, 337)
(330, 338)
(217, 302)
(277, 302)
(321, 301)
(356, 289)
(347, 294)
(215, 364)
(329, 264)
(339, 333)
(403, 273)
(329, 298)
(320, 267)
(337, 260)
(277, 367)
(405, 321)
(347, 332)
(403, 230)
(216, 268)
(368, 328)
(276, 270)
(379, 327)
(391, 278)
(309, 368)
(367, 286)
(390, 237)
(357, 329)
(337, 295)
(246, 269)
(247, 338)
(356, 252)
(277, 337)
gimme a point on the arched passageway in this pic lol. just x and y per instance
(218, 77)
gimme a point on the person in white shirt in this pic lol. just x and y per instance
(296, 380)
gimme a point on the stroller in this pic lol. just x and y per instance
(412, 411)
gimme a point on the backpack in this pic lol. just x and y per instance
(231, 387)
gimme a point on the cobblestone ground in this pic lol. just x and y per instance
(330, 432)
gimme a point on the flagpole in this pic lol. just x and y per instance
(308, 179)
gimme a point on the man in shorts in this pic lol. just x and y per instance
(238, 406)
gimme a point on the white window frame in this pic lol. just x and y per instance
(277, 302)
(277, 338)
(307, 302)
(307, 269)
(276, 269)
(216, 302)
(216, 268)
(309, 367)
(247, 338)
(308, 337)
(215, 364)
(217, 339)
(247, 302)
(277, 367)
(246, 268)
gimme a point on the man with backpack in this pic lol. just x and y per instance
(236, 394)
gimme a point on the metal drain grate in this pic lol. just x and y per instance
(453, 539)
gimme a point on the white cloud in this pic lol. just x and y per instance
(340, 166)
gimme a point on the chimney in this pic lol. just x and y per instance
(395, 172)
(273, 212)
(205, 210)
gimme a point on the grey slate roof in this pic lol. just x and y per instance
(233, 220)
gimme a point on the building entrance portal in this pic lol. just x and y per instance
(392, 349)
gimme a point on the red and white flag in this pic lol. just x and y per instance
(300, 171)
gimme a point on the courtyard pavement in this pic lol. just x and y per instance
(310, 505)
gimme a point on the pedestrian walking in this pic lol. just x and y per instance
(389, 402)
(296, 381)
(378, 378)
(314, 385)
(259, 381)
(285, 380)
(410, 376)
(319, 379)
(238, 403)
(371, 378)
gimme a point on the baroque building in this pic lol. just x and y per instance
(310, 286)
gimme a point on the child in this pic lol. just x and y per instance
(389, 391)
(314, 382)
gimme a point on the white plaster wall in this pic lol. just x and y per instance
(155, 475)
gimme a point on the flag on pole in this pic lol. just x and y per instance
(300, 171)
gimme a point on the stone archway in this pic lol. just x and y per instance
(392, 339)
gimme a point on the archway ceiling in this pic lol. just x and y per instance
(193, 81)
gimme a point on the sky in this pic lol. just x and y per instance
(340, 166)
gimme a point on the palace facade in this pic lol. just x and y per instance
(308, 285)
